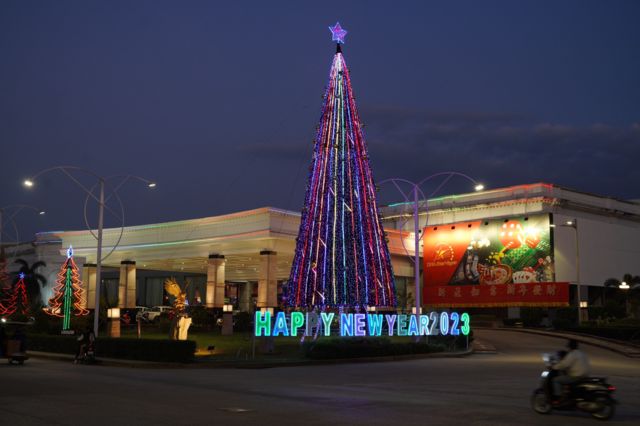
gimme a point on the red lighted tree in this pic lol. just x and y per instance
(16, 299)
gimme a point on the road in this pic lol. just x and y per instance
(491, 389)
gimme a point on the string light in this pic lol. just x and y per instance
(341, 257)
(68, 294)
(17, 299)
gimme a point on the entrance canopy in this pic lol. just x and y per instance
(186, 245)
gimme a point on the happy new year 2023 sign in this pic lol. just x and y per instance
(506, 262)
(360, 324)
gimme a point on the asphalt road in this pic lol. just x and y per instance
(476, 390)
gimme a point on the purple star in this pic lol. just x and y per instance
(337, 33)
(21, 275)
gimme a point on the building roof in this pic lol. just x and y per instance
(241, 236)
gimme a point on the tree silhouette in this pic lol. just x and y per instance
(631, 294)
(33, 280)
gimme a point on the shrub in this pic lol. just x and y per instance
(364, 347)
(202, 317)
(52, 343)
(243, 322)
(164, 322)
(107, 347)
(627, 322)
(565, 317)
(512, 322)
(48, 324)
(563, 323)
(629, 333)
(532, 317)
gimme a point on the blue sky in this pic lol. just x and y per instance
(218, 101)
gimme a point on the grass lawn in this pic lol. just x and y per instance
(241, 346)
(236, 346)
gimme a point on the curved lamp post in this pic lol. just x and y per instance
(100, 199)
(14, 210)
(415, 189)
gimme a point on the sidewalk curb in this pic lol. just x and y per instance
(628, 351)
(109, 362)
(252, 365)
(363, 360)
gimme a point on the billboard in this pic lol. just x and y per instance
(498, 262)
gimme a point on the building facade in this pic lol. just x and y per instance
(244, 258)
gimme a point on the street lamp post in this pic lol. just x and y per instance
(101, 206)
(416, 233)
(417, 192)
(96, 309)
(416, 247)
(18, 208)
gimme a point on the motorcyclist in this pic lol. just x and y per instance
(575, 366)
(84, 341)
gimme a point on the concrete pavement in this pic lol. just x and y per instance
(490, 389)
(622, 348)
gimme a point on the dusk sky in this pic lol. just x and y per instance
(218, 101)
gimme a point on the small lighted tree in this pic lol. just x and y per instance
(68, 294)
(16, 299)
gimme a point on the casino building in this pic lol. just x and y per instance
(490, 245)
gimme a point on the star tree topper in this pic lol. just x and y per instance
(337, 33)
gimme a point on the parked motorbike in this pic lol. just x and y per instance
(592, 394)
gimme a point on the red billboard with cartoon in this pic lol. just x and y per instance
(506, 262)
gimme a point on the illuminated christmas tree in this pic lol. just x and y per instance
(68, 294)
(16, 299)
(341, 258)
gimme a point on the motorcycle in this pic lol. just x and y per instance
(88, 354)
(591, 394)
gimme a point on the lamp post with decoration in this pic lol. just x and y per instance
(101, 200)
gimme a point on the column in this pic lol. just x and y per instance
(246, 290)
(215, 281)
(89, 285)
(127, 284)
(268, 283)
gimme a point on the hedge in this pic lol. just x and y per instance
(364, 347)
(106, 347)
(617, 333)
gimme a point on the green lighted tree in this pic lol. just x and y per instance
(68, 294)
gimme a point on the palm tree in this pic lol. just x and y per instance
(34, 281)
(633, 281)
